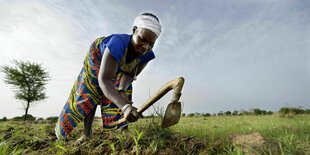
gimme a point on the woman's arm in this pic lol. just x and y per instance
(107, 71)
(127, 79)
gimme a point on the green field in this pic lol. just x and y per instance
(192, 135)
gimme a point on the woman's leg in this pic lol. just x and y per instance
(88, 121)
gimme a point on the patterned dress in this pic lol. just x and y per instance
(86, 93)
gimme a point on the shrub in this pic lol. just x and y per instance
(206, 115)
(191, 115)
(243, 112)
(257, 112)
(52, 119)
(3, 119)
(287, 110)
(269, 113)
(220, 113)
(227, 113)
(21, 118)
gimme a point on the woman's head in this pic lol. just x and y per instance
(145, 32)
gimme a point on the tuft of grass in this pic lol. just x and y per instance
(137, 137)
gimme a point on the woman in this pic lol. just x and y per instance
(111, 65)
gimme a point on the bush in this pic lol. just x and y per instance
(269, 113)
(257, 112)
(52, 119)
(191, 115)
(40, 119)
(220, 113)
(206, 115)
(3, 119)
(21, 118)
(227, 113)
(287, 110)
(235, 112)
(243, 112)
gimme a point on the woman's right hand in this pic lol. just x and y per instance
(130, 113)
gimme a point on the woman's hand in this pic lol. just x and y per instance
(130, 113)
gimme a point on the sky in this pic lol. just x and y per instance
(233, 54)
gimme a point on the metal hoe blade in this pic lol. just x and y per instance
(172, 114)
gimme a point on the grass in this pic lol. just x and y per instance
(290, 134)
(287, 135)
(192, 135)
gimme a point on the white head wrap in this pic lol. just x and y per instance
(148, 22)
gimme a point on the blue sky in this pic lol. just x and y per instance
(234, 55)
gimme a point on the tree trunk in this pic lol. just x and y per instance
(25, 117)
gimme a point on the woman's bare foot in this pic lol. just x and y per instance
(81, 140)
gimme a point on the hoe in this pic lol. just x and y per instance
(173, 111)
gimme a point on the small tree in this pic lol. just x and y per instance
(269, 113)
(190, 114)
(3, 119)
(206, 114)
(28, 81)
(220, 113)
(235, 112)
(227, 113)
(257, 111)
